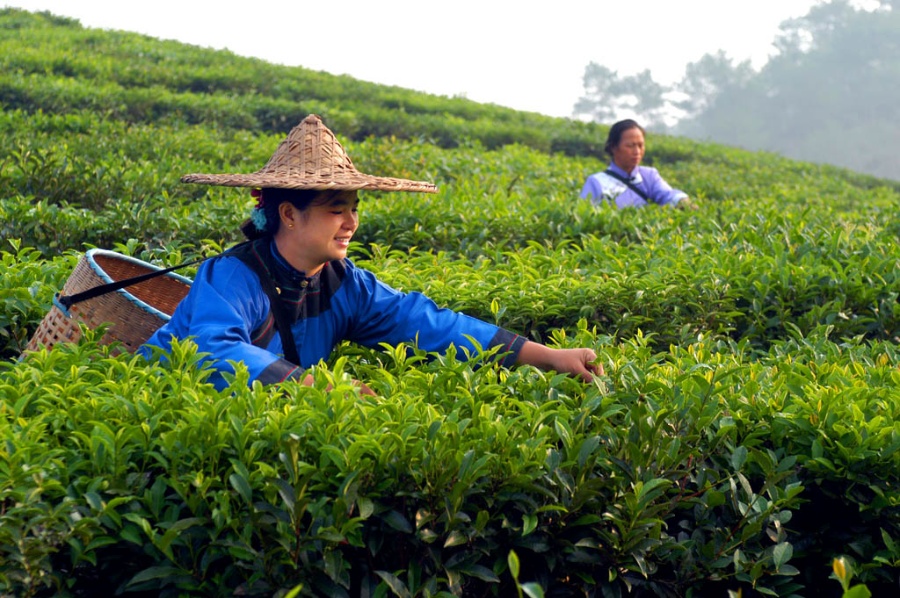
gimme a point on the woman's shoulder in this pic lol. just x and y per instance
(226, 262)
(225, 269)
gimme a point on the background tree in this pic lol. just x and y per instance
(609, 96)
(705, 80)
(828, 95)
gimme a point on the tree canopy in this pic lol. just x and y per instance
(828, 95)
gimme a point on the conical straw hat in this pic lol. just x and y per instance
(310, 158)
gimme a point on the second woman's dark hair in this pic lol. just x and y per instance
(270, 199)
(617, 130)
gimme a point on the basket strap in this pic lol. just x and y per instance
(282, 320)
(68, 301)
(279, 311)
(630, 184)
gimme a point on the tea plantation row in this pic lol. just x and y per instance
(743, 438)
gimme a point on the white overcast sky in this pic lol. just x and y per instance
(524, 55)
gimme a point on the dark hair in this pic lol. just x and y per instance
(617, 130)
(270, 198)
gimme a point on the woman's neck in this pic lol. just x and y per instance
(293, 257)
(625, 169)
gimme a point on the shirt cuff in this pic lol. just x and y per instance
(510, 344)
(279, 371)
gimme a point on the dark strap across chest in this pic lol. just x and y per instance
(290, 298)
(630, 184)
(277, 311)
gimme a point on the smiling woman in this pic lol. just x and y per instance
(283, 300)
(310, 228)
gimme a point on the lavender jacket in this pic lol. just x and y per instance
(601, 187)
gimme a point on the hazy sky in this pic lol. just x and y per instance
(524, 55)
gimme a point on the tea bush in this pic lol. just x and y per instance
(742, 441)
(679, 473)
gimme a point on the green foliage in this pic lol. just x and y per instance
(843, 571)
(742, 439)
(682, 470)
(26, 288)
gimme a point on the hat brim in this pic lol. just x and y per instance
(355, 182)
(311, 157)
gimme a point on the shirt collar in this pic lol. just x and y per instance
(634, 175)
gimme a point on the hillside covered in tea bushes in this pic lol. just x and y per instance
(743, 438)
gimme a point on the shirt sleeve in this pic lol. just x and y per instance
(386, 315)
(592, 190)
(658, 189)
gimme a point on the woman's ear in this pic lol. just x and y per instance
(287, 214)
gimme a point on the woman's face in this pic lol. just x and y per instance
(629, 152)
(320, 233)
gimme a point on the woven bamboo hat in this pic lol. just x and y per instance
(310, 158)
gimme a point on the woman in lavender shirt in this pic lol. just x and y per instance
(627, 184)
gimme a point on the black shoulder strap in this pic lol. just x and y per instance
(282, 320)
(68, 301)
(630, 185)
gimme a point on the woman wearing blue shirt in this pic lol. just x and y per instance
(295, 266)
(627, 184)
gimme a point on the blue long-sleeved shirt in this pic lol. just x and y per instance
(228, 315)
(601, 187)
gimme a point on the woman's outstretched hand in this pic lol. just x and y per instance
(580, 363)
(364, 389)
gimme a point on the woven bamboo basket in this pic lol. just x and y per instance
(133, 313)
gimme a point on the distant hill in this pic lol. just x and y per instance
(55, 65)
